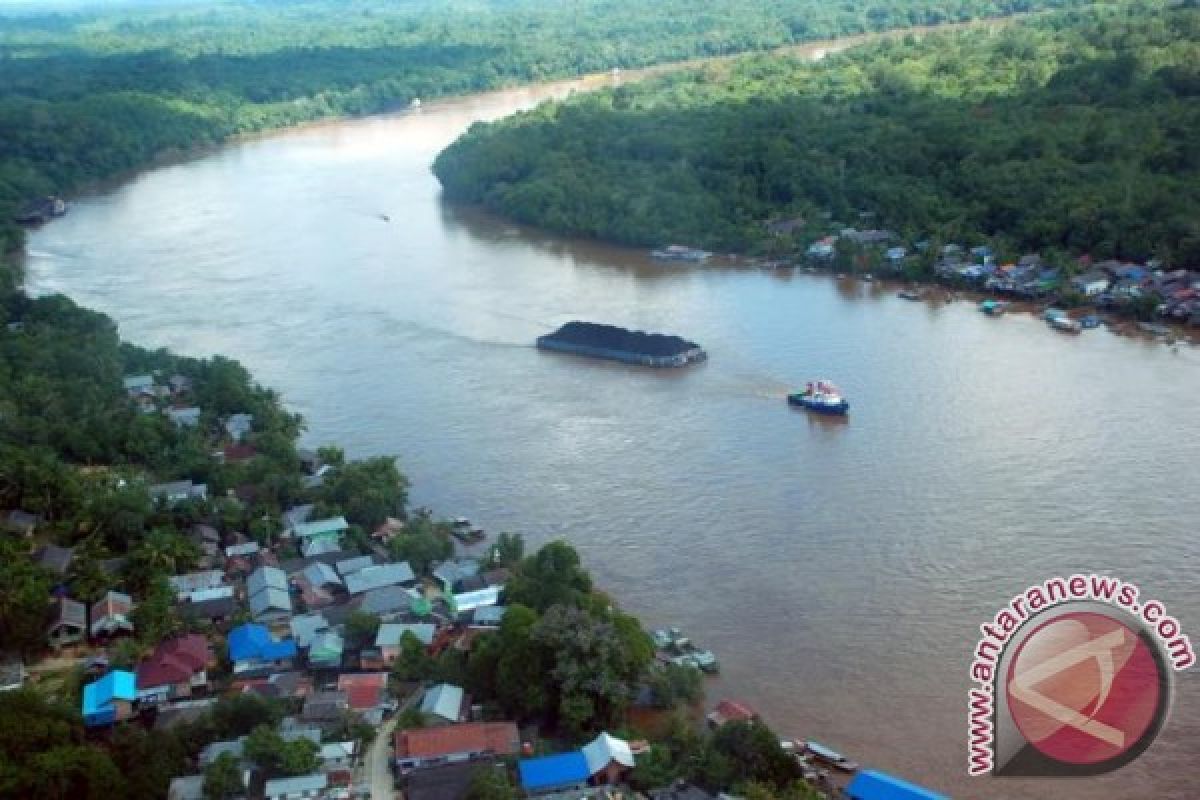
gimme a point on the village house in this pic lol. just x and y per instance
(184, 417)
(873, 785)
(268, 595)
(12, 675)
(326, 649)
(488, 617)
(390, 635)
(238, 426)
(191, 585)
(111, 615)
(609, 759)
(730, 711)
(321, 534)
(389, 603)
(338, 755)
(177, 492)
(561, 772)
(253, 649)
(109, 699)
(301, 787)
(175, 670)
(1091, 283)
(325, 709)
(213, 606)
(348, 566)
(377, 577)
(54, 558)
(279, 685)
(139, 386)
(366, 694)
(445, 703)
(186, 787)
(21, 523)
(421, 748)
(68, 623)
(206, 538)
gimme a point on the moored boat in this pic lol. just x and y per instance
(908, 294)
(822, 397)
(679, 252)
(993, 308)
(829, 756)
(1065, 324)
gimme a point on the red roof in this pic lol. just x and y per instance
(733, 711)
(174, 661)
(470, 737)
(364, 691)
(239, 452)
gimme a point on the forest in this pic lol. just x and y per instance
(91, 94)
(1073, 131)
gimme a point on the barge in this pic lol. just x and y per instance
(619, 344)
(679, 252)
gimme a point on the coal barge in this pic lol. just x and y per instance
(618, 344)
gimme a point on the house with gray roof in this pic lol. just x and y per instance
(187, 586)
(356, 564)
(377, 577)
(444, 701)
(67, 623)
(488, 616)
(297, 788)
(331, 527)
(54, 558)
(306, 626)
(319, 574)
(242, 550)
(268, 595)
(450, 573)
(319, 547)
(139, 384)
(184, 417)
(238, 426)
(297, 515)
(388, 603)
(178, 492)
(214, 750)
(186, 787)
(20, 522)
(326, 650)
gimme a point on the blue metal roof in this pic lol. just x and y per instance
(550, 772)
(871, 785)
(249, 641)
(98, 696)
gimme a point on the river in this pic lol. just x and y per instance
(839, 570)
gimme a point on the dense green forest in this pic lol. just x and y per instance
(1074, 131)
(90, 94)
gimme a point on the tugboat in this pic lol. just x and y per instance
(822, 397)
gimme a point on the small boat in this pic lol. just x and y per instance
(1065, 324)
(829, 756)
(1089, 322)
(908, 294)
(675, 648)
(822, 397)
(993, 308)
(462, 522)
(679, 252)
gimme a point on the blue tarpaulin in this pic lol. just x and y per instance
(253, 642)
(872, 785)
(553, 772)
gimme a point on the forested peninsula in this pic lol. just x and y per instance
(88, 95)
(1074, 131)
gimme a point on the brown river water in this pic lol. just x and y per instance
(840, 570)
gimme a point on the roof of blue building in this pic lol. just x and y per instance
(116, 685)
(872, 785)
(250, 641)
(548, 772)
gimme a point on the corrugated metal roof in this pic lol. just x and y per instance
(270, 600)
(390, 633)
(379, 576)
(605, 749)
(320, 526)
(552, 772)
(444, 700)
(873, 785)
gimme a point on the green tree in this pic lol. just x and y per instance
(155, 617)
(223, 778)
(674, 685)
(361, 628)
(413, 662)
(24, 595)
(278, 756)
(367, 492)
(552, 576)
(422, 544)
(491, 783)
(507, 551)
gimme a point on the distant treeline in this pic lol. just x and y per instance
(1075, 131)
(90, 94)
